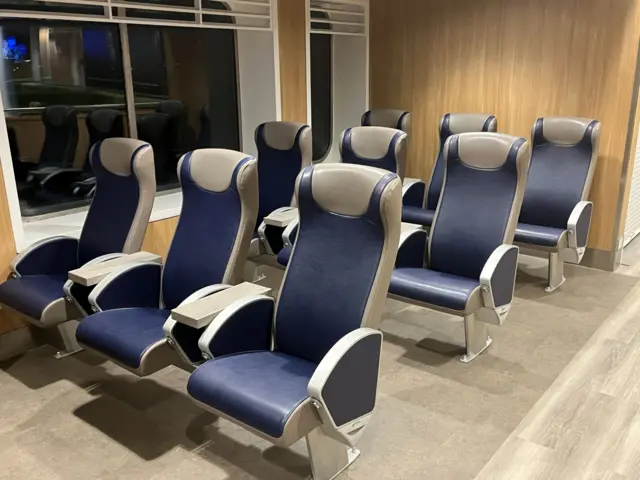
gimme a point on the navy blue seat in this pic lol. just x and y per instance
(270, 363)
(284, 149)
(556, 216)
(471, 266)
(450, 124)
(207, 254)
(115, 223)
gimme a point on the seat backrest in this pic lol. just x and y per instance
(103, 124)
(178, 119)
(385, 117)
(125, 191)
(205, 137)
(155, 128)
(563, 160)
(451, 124)
(217, 220)
(484, 179)
(380, 147)
(339, 272)
(60, 136)
(284, 148)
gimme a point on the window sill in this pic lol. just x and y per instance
(70, 223)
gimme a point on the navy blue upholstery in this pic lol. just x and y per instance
(307, 324)
(473, 200)
(138, 286)
(103, 232)
(54, 257)
(437, 177)
(387, 162)
(419, 216)
(538, 235)
(414, 195)
(260, 389)
(502, 280)
(284, 255)
(124, 334)
(32, 294)
(248, 330)
(412, 251)
(277, 173)
(434, 288)
(556, 180)
(204, 238)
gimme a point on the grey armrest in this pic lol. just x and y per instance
(51, 250)
(290, 233)
(497, 281)
(199, 314)
(281, 217)
(272, 227)
(412, 248)
(244, 325)
(414, 192)
(94, 272)
(579, 224)
(344, 385)
(174, 330)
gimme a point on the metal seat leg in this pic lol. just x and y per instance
(328, 457)
(556, 272)
(67, 332)
(476, 337)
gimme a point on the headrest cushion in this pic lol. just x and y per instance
(212, 169)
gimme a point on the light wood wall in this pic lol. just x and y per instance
(518, 60)
(293, 59)
(8, 321)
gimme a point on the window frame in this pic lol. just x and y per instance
(28, 230)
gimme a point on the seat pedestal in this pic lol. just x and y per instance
(476, 338)
(556, 272)
(328, 457)
(67, 332)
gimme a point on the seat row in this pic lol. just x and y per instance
(305, 365)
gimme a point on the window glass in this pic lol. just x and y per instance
(185, 85)
(321, 89)
(63, 89)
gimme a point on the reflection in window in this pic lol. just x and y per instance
(63, 88)
(321, 89)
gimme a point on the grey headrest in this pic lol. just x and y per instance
(489, 150)
(568, 130)
(120, 155)
(213, 168)
(470, 122)
(386, 117)
(345, 189)
(372, 143)
(282, 135)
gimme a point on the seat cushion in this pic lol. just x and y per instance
(417, 215)
(284, 255)
(32, 294)
(538, 235)
(259, 389)
(124, 334)
(433, 288)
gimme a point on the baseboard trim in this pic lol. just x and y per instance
(602, 259)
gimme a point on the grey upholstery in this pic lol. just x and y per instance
(385, 117)
(347, 213)
(380, 147)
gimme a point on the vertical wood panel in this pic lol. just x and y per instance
(292, 33)
(518, 60)
(8, 320)
(158, 237)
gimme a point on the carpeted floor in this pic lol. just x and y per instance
(82, 418)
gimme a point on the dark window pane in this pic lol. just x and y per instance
(321, 91)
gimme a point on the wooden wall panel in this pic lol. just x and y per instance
(8, 320)
(292, 33)
(518, 60)
(158, 236)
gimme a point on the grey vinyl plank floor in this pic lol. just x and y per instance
(547, 397)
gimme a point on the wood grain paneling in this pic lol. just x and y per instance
(8, 320)
(518, 60)
(292, 37)
(158, 236)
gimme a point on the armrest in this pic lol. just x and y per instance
(413, 192)
(579, 224)
(290, 233)
(93, 272)
(345, 383)
(61, 178)
(183, 338)
(134, 286)
(244, 326)
(38, 173)
(51, 256)
(412, 249)
(281, 217)
(498, 280)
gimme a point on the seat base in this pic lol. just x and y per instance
(556, 272)
(328, 457)
(67, 332)
(476, 338)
